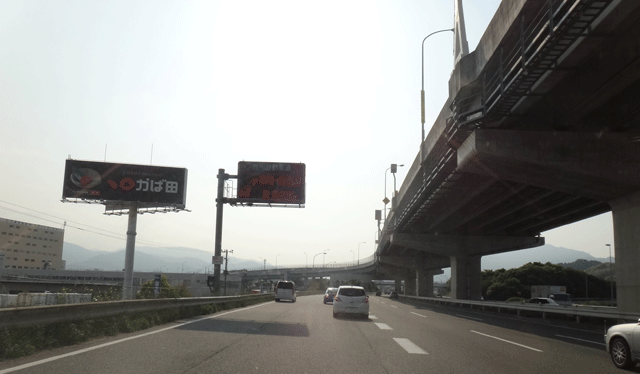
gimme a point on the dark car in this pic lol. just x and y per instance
(378, 293)
(329, 294)
(393, 295)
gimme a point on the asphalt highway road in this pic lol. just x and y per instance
(303, 337)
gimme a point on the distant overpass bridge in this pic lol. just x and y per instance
(365, 269)
(541, 129)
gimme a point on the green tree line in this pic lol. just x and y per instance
(503, 284)
(147, 291)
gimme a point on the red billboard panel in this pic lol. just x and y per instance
(271, 182)
(104, 181)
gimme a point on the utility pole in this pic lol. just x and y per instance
(226, 261)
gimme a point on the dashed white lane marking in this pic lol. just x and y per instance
(371, 316)
(409, 346)
(507, 341)
(419, 315)
(477, 319)
(393, 306)
(383, 326)
(582, 340)
(54, 358)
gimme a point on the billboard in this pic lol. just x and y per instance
(271, 182)
(104, 181)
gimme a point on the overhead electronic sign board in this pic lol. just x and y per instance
(271, 182)
(110, 182)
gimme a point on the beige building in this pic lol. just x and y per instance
(28, 246)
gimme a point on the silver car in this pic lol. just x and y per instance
(351, 300)
(623, 343)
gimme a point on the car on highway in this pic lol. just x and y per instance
(543, 301)
(623, 344)
(329, 294)
(285, 290)
(393, 295)
(351, 300)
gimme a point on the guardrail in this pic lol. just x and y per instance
(44, 315)
(577, 311)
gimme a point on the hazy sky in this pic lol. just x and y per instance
(332, 84)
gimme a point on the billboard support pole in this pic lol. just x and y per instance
(127, 286)
(218, 244)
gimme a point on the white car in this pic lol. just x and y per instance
(286, 290)
(543, 301)
(623, 343)
(351, 300)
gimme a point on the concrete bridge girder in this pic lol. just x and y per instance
(415, 263)
(465, 245)
(571, 162)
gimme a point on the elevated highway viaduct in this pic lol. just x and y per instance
(541, 129)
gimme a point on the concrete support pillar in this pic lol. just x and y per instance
(398, 285)
(466, 278)
(626, 233)
(424, 280)
(410, 283)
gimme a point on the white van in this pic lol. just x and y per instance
(286, 290)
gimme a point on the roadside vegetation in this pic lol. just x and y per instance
(501, 284)
(148, 291)
(23, 341)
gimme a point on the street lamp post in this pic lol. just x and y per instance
(325, 252)
(611, 271)
(394, 181)
(313, 262)
(394, 169)
(359, 251)
(277, 259)
(422, 88)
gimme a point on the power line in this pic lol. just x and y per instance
(106, 233)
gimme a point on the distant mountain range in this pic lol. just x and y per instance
(190, 260)
(543, 254)
(168, 260)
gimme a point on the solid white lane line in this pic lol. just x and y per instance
(418, 314)
(36, 363)
(507, 341)
(409, 346)
(383, 326)
(393, 306)
(372, 316)
(582, 340)
(477, 319)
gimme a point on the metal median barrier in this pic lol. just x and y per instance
(577, 311)
(44, 315)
